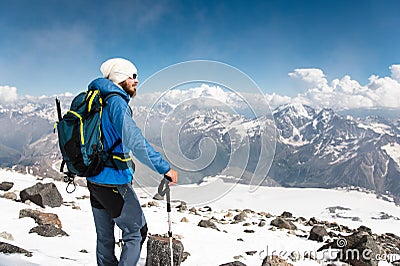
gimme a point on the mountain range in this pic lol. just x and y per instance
(307, 147)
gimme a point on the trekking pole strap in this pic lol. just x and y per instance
(69, 178)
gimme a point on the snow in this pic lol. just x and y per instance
(393, 150)
(206, 246)
(377, 128)
(296, 110)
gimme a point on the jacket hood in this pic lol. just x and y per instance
(105, 86)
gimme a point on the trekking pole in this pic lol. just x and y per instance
(163, 189)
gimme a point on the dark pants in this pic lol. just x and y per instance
(120, 206)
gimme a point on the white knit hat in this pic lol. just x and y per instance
(118, 69)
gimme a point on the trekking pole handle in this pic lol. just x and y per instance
(163, 189)
(168, 178)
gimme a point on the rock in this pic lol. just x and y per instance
(182, 207)
(83, 251)
(358, 249)
(84, 197)
(228, 215)
(240, 239)
(193, 210)
(275, 261)
(205, 209)
(249, 231)
(241, 217)
(42, 195)
(246, 224)
(318, 233)
(286, 215)
(300, 220)
(48, 230)
(41, 218)
(390, 243)
(153, 204)
(158, 251)
(208, 224)
(185, 220)
(251, 253)
(363, 228)
(11, 249)
(233, 263)
(79, 181)
(6, 186)
(10, 196)
(261, 224)
(312, 221)
(282, 223)
(7, 236)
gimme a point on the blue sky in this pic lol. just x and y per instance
(51, 47)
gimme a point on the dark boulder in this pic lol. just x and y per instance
(158, 251)
(208, 224)
(286, 215)
(11, 249)
(318, 233)
(42, 195)
(358, 249)
(282, 223)
(48, 230)
(241, 217)
(6, 186)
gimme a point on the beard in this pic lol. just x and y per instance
(128, 89)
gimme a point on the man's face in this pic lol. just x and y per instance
(129, 86)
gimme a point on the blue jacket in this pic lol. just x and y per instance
(117, 123)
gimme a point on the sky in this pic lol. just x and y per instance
(56, 46)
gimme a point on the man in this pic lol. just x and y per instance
(111, 195)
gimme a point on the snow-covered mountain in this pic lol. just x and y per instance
(326, 149)
(271, 221)
(309, 147)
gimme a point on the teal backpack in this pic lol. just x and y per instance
(80, 137)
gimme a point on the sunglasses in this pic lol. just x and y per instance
(134, 76)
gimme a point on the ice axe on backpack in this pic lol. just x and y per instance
(69, 177)
(163, 189)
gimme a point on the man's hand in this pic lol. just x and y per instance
(173, 175)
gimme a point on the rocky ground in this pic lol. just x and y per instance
(239, 222)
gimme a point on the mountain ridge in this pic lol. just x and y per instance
(314, 148)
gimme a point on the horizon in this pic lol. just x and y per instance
(177, 95)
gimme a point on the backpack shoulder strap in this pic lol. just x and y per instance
(108, 96)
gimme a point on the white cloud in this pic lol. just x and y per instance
(338, 94)
(346, 93)
(8, 94)
(275, 100)
(395, 72)
(314, 76)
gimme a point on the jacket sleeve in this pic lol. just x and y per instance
(132, 137)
